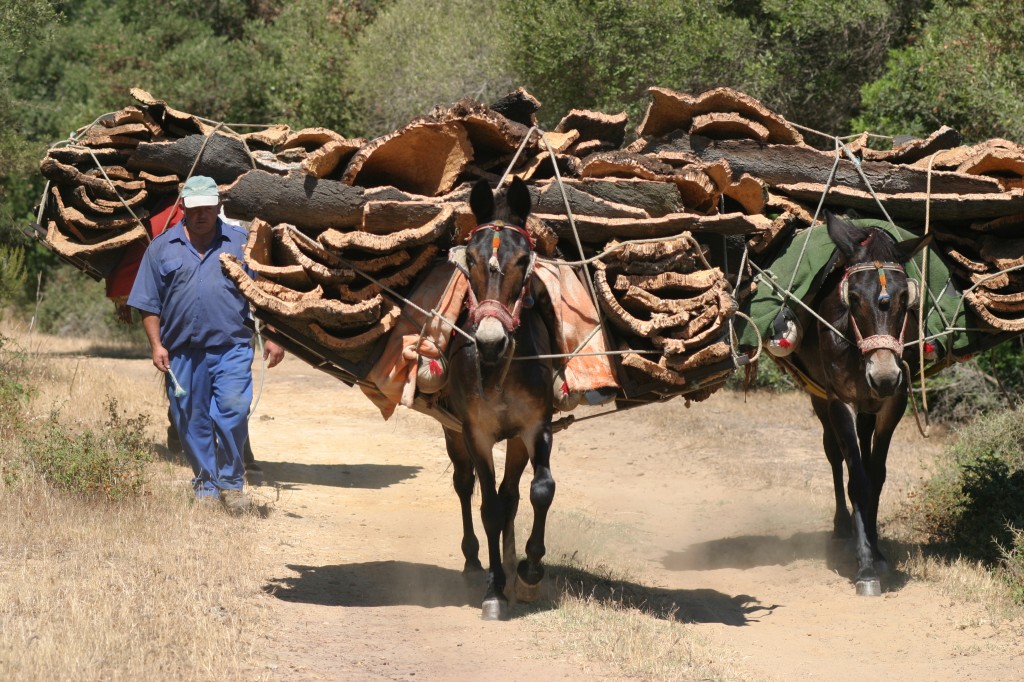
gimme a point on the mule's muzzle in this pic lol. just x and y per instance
(492, 340)
(495, 310)
(884, 374)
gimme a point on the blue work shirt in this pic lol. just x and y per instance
(198, 305)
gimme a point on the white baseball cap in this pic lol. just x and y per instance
(200, 190)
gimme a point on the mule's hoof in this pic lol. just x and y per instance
(869, 587)
(525, 592)
(494, 609)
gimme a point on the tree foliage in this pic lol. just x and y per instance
(23, 23)
(304, 56)
(604, 54)
(964, 69)
(417, 55)
(365, 67)
(819, 57)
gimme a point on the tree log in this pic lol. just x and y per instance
(790, 164)
(224, 158)
(311, 204)
(911, 206)
(601, 230)
(550, 200)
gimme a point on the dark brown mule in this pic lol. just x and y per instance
(870, 301)
(496, 398)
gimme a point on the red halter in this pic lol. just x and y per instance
(866, 345)
(478, 310)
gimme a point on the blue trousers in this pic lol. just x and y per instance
(213, 417)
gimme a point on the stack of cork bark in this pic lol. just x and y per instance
(342, 228)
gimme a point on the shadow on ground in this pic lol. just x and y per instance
(400, 583)
(753, 551)
(366, 476)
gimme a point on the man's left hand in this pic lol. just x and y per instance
(272, 353)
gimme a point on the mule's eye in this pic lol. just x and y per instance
(470, 260)
(853, 299)
(523, 262)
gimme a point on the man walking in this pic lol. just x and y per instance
(195, 320)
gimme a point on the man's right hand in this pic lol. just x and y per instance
(161, 359)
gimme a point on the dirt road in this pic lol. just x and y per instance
(722, 509)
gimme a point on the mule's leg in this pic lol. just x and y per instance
(843, 421)
(516, 459)
(463, 479)
(492, 512)
(842, 524)
(530, 571)
(885, 424)
(866, 423)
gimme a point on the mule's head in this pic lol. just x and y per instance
(498, 261)
(877, 298)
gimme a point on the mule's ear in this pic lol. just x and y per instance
(481, 201)
(845, 235)
(519, 200)
(909, 247)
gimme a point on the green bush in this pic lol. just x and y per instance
(108, 464)
(975, 507)
(966, 391)
(1012, 565)
(764, 376)
(74, 305)
(15, 393)
(963, 69)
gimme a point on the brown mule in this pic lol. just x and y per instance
(498, 398)
(870, 301)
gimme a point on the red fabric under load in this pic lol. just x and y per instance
(122, 277)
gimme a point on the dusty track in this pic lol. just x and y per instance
(723, 509)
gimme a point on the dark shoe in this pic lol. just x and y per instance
(235, 502)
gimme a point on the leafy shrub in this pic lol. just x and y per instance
(764, 376)
(14, 390)
(965, 391)
(108, 464)
(12, 273)
(975, 508)
(963, 70)
(1012, 564)
(75, 305)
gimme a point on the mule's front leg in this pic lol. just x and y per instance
(843, 421)
(516, 459)
(493, 515)
(463, 479)
(530, 571)
(885, 423)
(842, 524)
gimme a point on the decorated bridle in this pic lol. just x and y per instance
(478, 310)
(866, 345)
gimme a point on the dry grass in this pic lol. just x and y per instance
(642, 647)
(966, 582)
(74, 376)
(154, 588)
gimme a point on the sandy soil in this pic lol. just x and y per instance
(723, 508)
